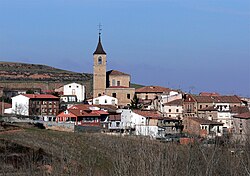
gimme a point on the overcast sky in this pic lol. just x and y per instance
(194, 45)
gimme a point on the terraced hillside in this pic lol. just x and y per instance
(23, 75)
(26, 76)
(37, 72)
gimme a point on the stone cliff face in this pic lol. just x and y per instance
(34, 72)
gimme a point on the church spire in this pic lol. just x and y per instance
(99, 48)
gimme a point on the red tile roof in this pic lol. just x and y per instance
(177, 102)
(40, 96)
(152, 89)
(217, 99)
(209, 94)
(239, 109)
(81, 106)
(117, 73)
(245, 115)
(147, 113)
(204, 121)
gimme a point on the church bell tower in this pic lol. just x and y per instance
(99, 70)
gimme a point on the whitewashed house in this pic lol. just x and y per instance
(20, 105)
(105, 100)
(129, 119)
(224, 115)
(75, 89)
(144, 123)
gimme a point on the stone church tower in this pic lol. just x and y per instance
(99, 75)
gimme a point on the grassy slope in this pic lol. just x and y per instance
(100, 154)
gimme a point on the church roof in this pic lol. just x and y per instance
(115, 72)
(99, 48)
(152, 89)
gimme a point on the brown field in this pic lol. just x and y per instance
(34, 151)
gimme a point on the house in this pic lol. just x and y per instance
(209, 113)
(44, 105)
(112, 83)
(105, 100)
(202, 127)
(169, 126)
(150, 92)
(241, 128)
(193, 103)
(68, 98)
(222, 112)
(173, 109)
(75, 89)
(129, 120)
(83, 115)
(114, 122)
(158, 103)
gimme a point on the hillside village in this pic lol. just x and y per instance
(116, 108)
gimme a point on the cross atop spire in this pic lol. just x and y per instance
(99, 28)
(99, 48)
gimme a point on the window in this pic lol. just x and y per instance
(169, 110)
(97, 101)
(99, 60)
(113, 82)
(77, 86)
(200, 106)
(69, 86)
(128, 96)
(105, 101)
(118, 83)
(177, 110)
(146, 97)
(113, 101)
(114, 95)
(206, 105)
(240, 131)
(99, 95)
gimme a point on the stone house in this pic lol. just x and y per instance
(241, 131)
(202, 127)
(193, 103)
(173, 109)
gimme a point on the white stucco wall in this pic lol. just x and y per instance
(151, 131)
(105, 100)
(75, 89)
(225, 117)
(130, 119)
(20, 105)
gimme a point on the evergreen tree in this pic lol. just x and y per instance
(135, 103)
